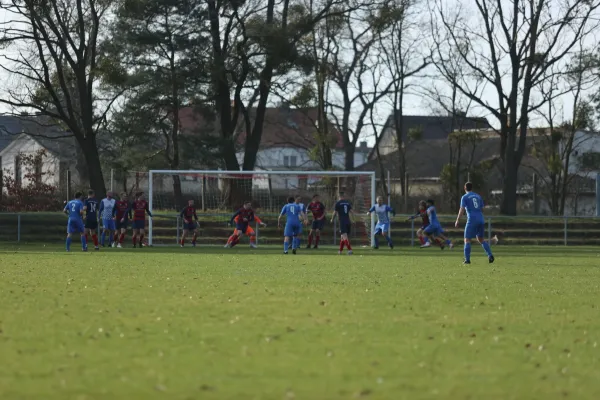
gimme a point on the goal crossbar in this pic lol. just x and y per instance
(368, 174)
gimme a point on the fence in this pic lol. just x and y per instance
(522, 230)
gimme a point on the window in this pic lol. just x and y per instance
(290, 161)
(38, 170)
(18, 170)
(590, 161)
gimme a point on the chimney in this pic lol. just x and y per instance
(363, 145)
(24, 114)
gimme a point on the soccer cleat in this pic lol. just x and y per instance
(181, 246)
(316, 247)
(451, 246)
(442, 247)
(466, 262)
(119, 246)
(114, 245)
(307, 246)
(293, 251)
(96, 248)
(391, 247)
(491, 259)
(349, 252)
(253, 246)
(84, 250)
(375, 247)
(227, 246)
(285, 252)
(193, 244)
(428, 244)
(339, 252)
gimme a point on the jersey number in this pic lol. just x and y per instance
(345, 209)
(73, 207)
(293, 210)
(475, 203)
(92, 208)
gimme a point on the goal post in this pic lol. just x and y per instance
(218, 193)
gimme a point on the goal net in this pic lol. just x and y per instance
(218, 194)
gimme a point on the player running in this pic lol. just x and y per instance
(434, 230)
(91, 218)
(140, 209)
(425, 222)
(293, 224)
(122, 214)
(187, 214)
(383, 221)
(343, 210)
(74, 209)
(242, 219)
(318, 212)
(472, 204)
(107, 207)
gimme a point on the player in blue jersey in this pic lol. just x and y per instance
(434, 230)
(75, 209)
(383, 221)
(293, 224)
(343, 210)
(472, 204)
(91, 217)
(107, 208)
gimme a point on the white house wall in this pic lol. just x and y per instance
(583, 142)
(26, 145)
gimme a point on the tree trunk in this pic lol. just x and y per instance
(509, 189)
(178, 195)
(94, 167)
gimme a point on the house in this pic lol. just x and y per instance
(27, 135)
(287, 143)
(423, 128)
(585, 153)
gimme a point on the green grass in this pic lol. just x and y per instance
(167, 323)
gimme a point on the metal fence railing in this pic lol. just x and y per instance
(521, 230)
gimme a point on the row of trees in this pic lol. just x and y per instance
(118, 74)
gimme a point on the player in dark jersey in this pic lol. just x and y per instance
(187, 214)
(425, 218)
(121, 213)
(318, 211)
(91, 218)
(343, 210)
(139, 209)
(242, 219)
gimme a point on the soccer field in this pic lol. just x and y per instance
(208, 323)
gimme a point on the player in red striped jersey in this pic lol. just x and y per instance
(139, 209)
(122, 214)
(190, 223)
(318, 211)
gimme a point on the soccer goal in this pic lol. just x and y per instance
(218, 194)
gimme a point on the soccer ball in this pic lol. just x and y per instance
(494, 240)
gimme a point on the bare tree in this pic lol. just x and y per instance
(510, 46)
(51, 48)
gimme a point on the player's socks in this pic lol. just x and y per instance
(296, 243)
(134, 239)
(468, 252)
(95, 239)
(121, 238)
(422, 240)
(194, 239)
(376, 241)
(231, 238)
(182, 242)
(342, 243)
(69, 243)
(389, 241)
(141, 240)
(102, 238)
(348, 244)
(286, 246)
(317, 239)
(486, 247)
(83, 242)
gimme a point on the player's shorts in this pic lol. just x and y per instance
(292, 230)
(382, 227)
(140, 224)
(318, 224)
(248, 231)
(108, 223)
(345, 227)
(189, 226)
(75, 226)
(474, 230)
(242, 227)
(121, 225)
(91, 224)
(434, 230)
